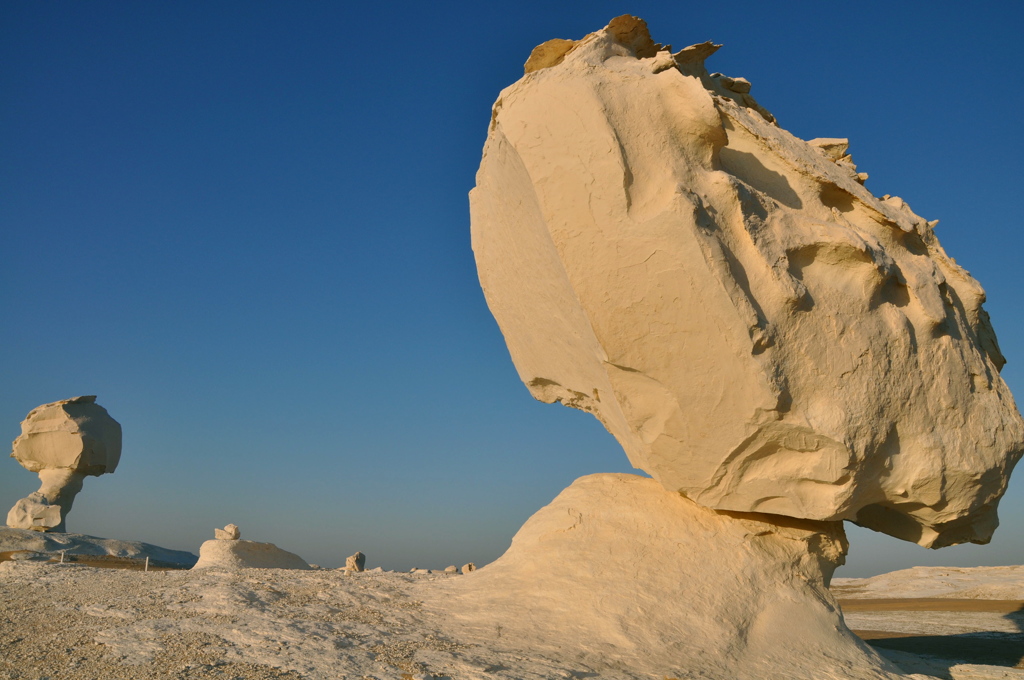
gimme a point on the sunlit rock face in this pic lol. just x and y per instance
(64, 442)
(756, 329)
(618, 574)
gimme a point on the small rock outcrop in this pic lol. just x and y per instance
(468, 567)
(355, 562)
(758, 331)
(228, 533)
(228, 551)
(63, 442)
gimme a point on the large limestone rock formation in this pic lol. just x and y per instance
(64, 442)
(757, 330)
(619, 575)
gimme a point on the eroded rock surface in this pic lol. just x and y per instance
(757, 330)
(64, 442)
(231, 532)
(617, 573)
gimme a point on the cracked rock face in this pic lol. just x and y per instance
(758, 331)
(64, 442)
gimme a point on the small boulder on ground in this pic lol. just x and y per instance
(355, 562)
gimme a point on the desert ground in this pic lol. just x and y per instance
(101, 617)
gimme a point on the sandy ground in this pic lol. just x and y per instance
(79, 622)
(948, 622)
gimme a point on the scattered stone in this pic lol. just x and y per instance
(63, 442)
(451, 569)
(355, 562)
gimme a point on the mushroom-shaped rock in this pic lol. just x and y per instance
(63, 442)
(758, 331)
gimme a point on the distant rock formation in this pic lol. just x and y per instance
(355, 562)
(53, 544)
(64, 442)
(227, 551)
(756, 329)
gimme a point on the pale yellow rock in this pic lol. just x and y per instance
(550, 53)
(229, 533)
(64, 442)
(356, 562)
(619, 574)
(756, 329)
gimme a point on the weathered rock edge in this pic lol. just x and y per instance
(64, 442)
(757, 330)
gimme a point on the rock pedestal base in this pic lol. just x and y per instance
(619, 574)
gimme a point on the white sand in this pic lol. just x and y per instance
(79, 623)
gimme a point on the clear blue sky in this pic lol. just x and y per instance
(244, 226)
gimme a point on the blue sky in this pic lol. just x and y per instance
(245, 227)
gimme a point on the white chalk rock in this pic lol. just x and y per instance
(755, 328)
(229, 533)
(64, 442)
(619, 573)
(34, 512)
(468, 567)
(239, 554)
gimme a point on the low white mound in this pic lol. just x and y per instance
(246, 555)
(976, 583)
(619, 575)
(12, 539)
